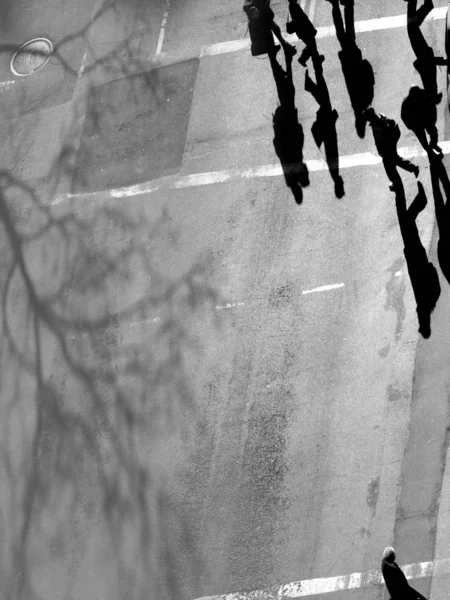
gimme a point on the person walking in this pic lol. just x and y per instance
(386, 134)
(305, 31)
(395, 580)
(419, 114)
(261, 24)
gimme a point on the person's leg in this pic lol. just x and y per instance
(433, 133)
(305, 55)
(406, 164)
(288, 48)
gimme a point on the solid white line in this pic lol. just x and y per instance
(163, 29)
(324, 288)
(5, 85)
(323, 32)
(214, 177)
(324, 585)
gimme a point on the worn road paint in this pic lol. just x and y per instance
(5, 85)
(323, 32)
(163, 29)
(324, 585)
(324, 288)
(214, 177)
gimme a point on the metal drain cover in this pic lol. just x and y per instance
(31, 56)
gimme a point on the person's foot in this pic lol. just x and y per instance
(392, 186)
(438, 98)
(416, 171)
(290, 50)
(302, 61)
(437, 150)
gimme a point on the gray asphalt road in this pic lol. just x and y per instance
(225, 390)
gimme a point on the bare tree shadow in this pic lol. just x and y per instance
(95, 333)
(288, 133)
(357, 71)
(422, 273)
(324, 127)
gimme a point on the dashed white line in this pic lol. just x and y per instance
(163, 29)
(5, 85)
(229, 305)
(214, 177)
(323, 32)
(324, 288)
(324, 585)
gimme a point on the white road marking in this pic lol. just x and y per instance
(5, 85)
(323, 585)
(214, 177)
(163, 29)
(324, 288)
(312, 7)
(323, 32)
(229, 305)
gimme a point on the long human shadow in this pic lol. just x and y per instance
(324, 127)
(288, 133)
(422, 273)
(426, 62)
(439, 177)
(358, 72)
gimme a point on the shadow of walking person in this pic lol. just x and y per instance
(419, 115)
(422, 273)
(426, 62)
(288, 133)
(386, 134)
(442, 210)
(324, 127)
(357, 71)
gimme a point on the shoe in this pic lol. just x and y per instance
(290, 50)
(416, 171)
(438, 98)
(392, 186)
(302, 62)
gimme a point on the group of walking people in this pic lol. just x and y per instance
(418, 108)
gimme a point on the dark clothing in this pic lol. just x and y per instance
(263, 6)
(419, 114)
(303, 27)
(395, 580)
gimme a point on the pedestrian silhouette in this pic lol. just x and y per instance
(419, 114)
(422, 273)
(305, 31)
(261, 25)
(324, 127)
(395, 580)
(426, 62)
(386, 134)
(288, 133)
(439, 177)
(357, 71)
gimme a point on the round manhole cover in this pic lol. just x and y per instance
(31, 56)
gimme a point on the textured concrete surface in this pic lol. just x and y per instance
(178, 418)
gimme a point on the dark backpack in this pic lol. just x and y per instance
(391, 128)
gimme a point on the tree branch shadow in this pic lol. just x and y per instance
(96, 337)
